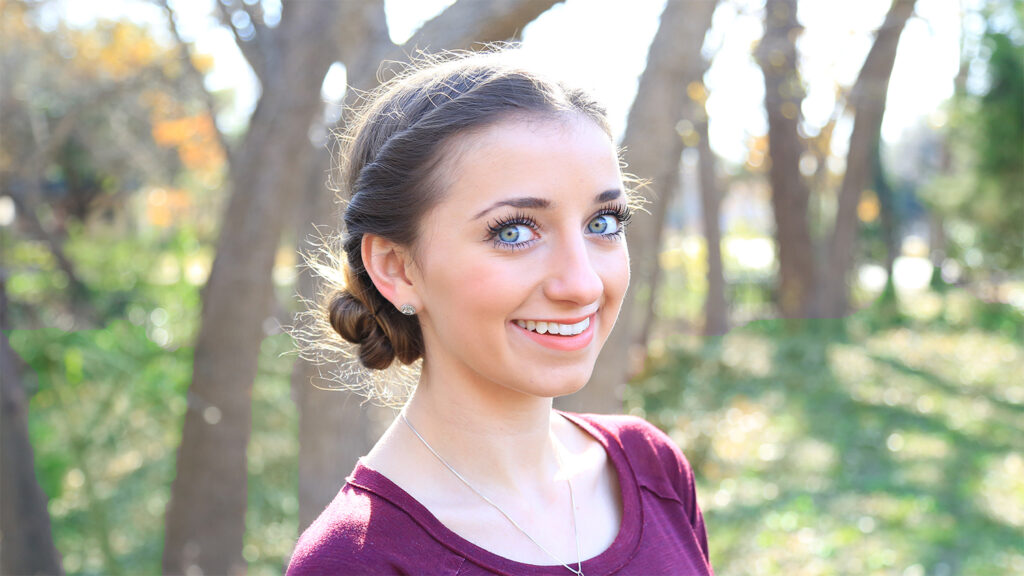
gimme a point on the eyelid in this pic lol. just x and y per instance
(518, 219)
(620, 210)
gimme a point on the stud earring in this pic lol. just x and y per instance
(407, 309)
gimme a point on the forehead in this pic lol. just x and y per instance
(551, 155)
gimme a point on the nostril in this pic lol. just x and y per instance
(574, 277)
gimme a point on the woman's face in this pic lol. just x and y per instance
(521, 268)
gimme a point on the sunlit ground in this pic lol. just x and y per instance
(854, 448)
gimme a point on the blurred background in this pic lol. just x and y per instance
(827, 309)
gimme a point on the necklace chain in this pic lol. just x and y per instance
(578, 571)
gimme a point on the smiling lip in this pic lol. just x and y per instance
(557, 342)
(576, 320)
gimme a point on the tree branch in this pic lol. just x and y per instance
(466, 23)
(78, 291)
(255, 12)
(251, 49)
(867, 100)
(45, 150)
(198, 79)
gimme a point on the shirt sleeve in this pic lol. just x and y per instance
(664, 469)
(362, 533)
(681, 474)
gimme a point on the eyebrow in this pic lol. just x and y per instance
(541, 203)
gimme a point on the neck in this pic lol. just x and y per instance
(491, 435)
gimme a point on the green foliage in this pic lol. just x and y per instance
(998, 196)
(1001, 115)
(983, 197)
(107, 405)
(150, 273)
(961, 312)
(105, 426)
(272, 518)
(848, 447)
(99, 123)
(104, 419)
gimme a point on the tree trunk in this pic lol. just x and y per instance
(334, 428)
(26, 540)
(716, 311)
(646, 303)
(205, 521)
(889, 219)
(332, 424)
(867, 101)
(783, 94)
(653, 149)
(936, 223)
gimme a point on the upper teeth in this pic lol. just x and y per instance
(554, 327)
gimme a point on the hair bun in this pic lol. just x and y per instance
(354, 321)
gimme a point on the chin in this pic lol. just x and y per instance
(571, 392)
(567, 384)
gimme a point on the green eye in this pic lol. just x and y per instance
(603, 224)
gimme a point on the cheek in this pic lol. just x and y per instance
(472, 285)
(615, 274)
(503, 287)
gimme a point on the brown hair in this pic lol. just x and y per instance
(392, 175)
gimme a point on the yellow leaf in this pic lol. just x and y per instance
(868, 208)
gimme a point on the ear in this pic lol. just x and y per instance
(388, 265)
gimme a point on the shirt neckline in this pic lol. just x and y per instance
(621, 550)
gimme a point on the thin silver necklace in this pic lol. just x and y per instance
(578, 570)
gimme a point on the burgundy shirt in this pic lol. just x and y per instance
(375, 527)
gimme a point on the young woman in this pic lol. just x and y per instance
(485, 236)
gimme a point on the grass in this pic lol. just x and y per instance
(868, 446)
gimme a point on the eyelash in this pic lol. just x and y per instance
(620, 211)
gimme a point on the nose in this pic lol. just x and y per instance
(573, 274)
